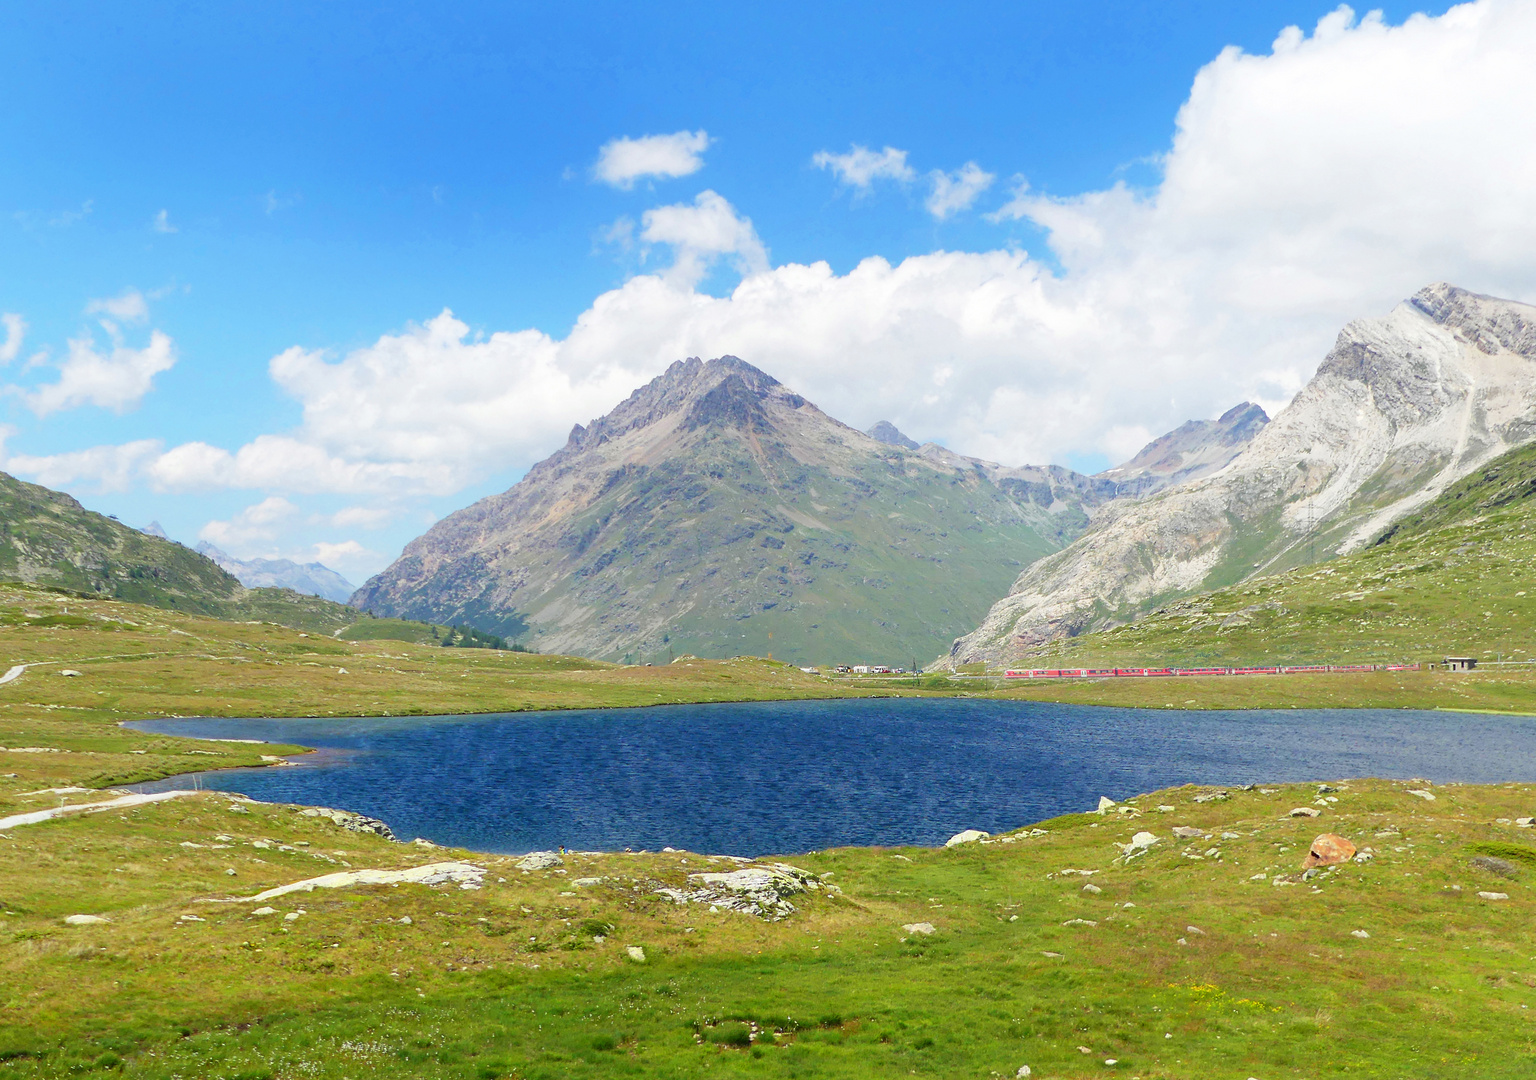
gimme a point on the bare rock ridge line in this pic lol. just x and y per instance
(716, 512)
(1403, 406)
(314, 579)
(1196, 449)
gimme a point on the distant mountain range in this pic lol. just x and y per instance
(1404, 406)
(311, 578)
(717, 512)
(49, 539)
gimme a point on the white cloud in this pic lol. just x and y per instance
(622, 161)
(15, 331)
(99, 468)
(957, 191)
(256, 524)
(360, 517)
(346, 557)
(1306, 187)
(162, 223)
(129, 307)
(860, 167)
(701, 232)
(116, 380)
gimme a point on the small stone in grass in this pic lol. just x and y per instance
(1493, 896)
(636, 953)
(1361, 934)
(1305, 811)
(919, 928)
(1092, 888)
(1194, 930)
(1023, 1072)
(83, 920)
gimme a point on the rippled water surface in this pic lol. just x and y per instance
(766, 777)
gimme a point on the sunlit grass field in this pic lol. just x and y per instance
(1208, 956)
(509, 980)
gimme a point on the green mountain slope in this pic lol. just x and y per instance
(1458, 577)
(716, 513)
(49, 539)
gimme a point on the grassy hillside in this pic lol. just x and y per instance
(48, 538)
(1456, 578)
(1209, 956)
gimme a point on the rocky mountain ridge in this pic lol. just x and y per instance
(1403, 406)
(717, 512)
(312, 579)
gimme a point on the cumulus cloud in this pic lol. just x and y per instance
(100, 469)
(860, 167)
(1318, 182)
(957, 191)
(256, 524)
(15, 331)
(622, 161)
(162, 223)
(347, 556)
(701, 232)
(115, 379)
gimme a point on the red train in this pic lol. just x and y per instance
(1141, 673)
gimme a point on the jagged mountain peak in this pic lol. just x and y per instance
(685, 385)
(888, 433)
(1195, 449)
(1487, 321)
(716, 512)
(1404, 405)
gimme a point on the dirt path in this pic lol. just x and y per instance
(120, 803)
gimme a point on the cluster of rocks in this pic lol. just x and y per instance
(352, 822)
(762, 891)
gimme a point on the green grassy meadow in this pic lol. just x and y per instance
(1207, 957)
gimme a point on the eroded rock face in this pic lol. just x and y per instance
(1401, 408)
(762, 891)
(1328, 849)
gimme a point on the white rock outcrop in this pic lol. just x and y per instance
(1401, 408)
(539, 860)
(762, 891)
(969, 836)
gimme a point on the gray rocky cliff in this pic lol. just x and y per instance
(1401, 407)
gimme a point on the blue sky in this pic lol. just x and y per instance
(247, 179)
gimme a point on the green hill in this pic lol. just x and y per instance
(48, 539)
(1457, 577)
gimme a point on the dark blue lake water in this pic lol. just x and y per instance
(780, 777)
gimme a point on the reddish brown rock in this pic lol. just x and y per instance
(1327, 850)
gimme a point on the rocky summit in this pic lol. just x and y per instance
(716, 512)
(1402, 407)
